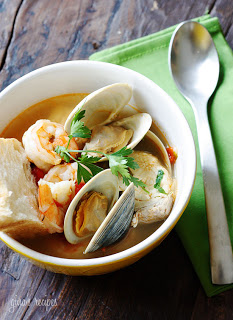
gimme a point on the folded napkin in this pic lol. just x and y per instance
(149, 56)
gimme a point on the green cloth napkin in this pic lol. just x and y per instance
(149, 56)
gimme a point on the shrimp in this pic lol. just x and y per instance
(62, 172)
(54, 199)
(40, 141)
(56, 190)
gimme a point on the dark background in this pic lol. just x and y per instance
(162, 285)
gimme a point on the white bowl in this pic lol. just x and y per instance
(87, 76)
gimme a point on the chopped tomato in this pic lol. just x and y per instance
(78, 186)
(172, 155)
(38, 173)
(58, 204)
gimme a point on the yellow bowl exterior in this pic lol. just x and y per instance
(90, 270)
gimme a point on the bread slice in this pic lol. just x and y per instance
(19, 212)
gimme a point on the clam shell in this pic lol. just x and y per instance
(104, 182)
(162, 148)
(140, 123)
(116, 223)
(102, 106)
(164, 155)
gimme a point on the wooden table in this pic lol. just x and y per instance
(162, 285)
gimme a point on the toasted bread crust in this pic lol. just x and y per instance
(19, 212)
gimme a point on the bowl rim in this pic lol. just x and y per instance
(158, 234)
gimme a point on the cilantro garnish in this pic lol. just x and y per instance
(158, 182)
(77, 127)
(119, 161)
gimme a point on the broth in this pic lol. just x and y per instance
(57, 109)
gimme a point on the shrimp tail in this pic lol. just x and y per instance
(52, 217)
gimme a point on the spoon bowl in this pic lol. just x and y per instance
(194, 65)
(194, 61)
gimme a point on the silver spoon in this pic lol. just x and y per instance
(194, 65)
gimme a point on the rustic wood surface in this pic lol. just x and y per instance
(162, 285)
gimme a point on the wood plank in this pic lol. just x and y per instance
(80, 37)
(64, 33)
(218, 307)
(137, 292)
(8, 12)
(223, 9)
(17, 293)
(60, 29)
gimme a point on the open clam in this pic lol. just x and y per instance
(163, 153)
(112, 224)
(128, 132)
(116, 223)
(155, 205)
(102, 106)
(104, 183)
(140, 124)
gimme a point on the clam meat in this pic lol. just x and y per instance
(116, 223)
(155, 205)
(128, 132)
(90, 206)
(97, 210)
(101, 108)
(90, 213)
(108, 139)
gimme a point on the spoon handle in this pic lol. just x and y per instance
(219, 239)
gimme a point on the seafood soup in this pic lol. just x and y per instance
(152, 165)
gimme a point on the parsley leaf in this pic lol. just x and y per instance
(88, 162)
(161, 190)
(158, 182)
(94, 169)
(78, 116)
(85, 159)
(77, 127)
(119, 163)
(62, 151)
(120, 159)
(123, 152)
(131, 163)
(138, 183)
(83, 173)
(159, 177)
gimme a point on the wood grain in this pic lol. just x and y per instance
(137, 292)
(8, 12)
(48, 32)
(162, 285)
